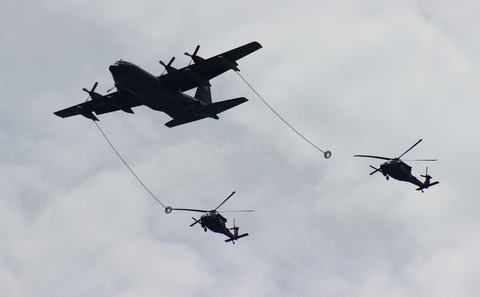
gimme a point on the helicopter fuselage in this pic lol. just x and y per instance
(399, 171)
(215, 222)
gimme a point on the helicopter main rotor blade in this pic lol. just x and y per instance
(420, 160)
(375, 157)
(409, 149)
(224, 201)
(190, 209)
(245, 210)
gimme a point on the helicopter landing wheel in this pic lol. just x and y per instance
(205, 229)
(387, 177)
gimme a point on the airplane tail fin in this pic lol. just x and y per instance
(203, 94)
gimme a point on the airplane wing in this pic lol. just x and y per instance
(108, 103)
(204, 70)
(212, 110)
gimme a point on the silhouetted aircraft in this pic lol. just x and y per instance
(399, 170)
(214, 221)
(136, 87)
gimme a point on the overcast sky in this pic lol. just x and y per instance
(355, 77)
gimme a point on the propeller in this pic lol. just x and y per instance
(92, 91)
(194, 55)
(169, 65)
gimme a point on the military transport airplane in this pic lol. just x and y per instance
(136, 87)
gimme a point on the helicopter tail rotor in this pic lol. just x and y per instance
(427, 177)
(235, 234)
(235, 229)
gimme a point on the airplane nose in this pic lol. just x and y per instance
(113, 69)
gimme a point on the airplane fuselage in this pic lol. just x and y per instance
(149, 90)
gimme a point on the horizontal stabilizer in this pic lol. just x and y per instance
(238, 237)
(210, 111)
(427, 186)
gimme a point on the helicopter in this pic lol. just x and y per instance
(214, 221)
(399, 170)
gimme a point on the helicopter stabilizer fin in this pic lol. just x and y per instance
(235, 238)
(427, 186)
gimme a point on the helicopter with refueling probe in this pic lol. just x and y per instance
(214, 221)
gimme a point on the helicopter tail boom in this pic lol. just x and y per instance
(426, 184)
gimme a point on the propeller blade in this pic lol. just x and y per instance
(196, 50)
(169, 63)
(194, 53)
(92, 90)
(224, 201)
(94, 87)
(111, 88)
(375, 157)
(410, 148)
